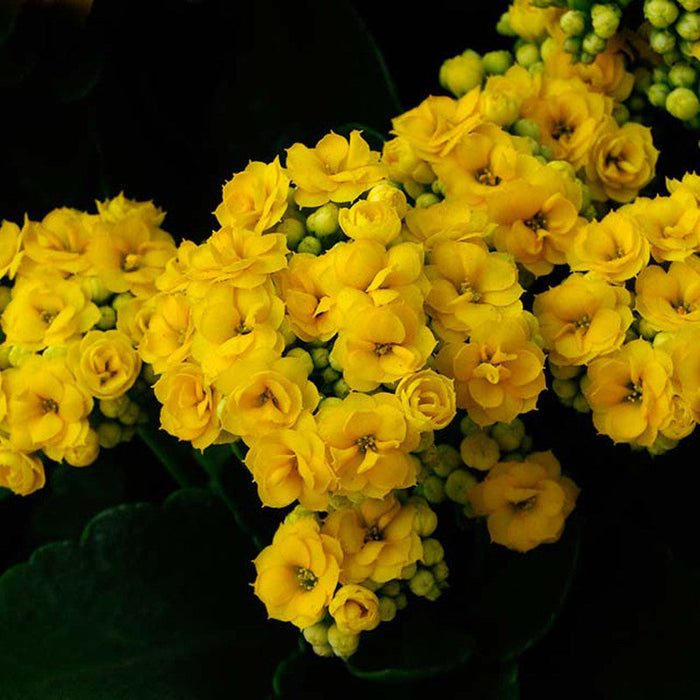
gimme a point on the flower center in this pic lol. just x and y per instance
(382, 348)
(583, 322)
(465, 288)
(561, 129)
(48, 316)
(486, 177)
(266, 396)
(306, 579)
(682, 308)
(49, 406)
(366, 442)
(635, 395)
(374, 534)
(524, 506)
(536, 222)
(242, 329)
(131, 262)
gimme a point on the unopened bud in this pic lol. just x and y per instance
(316, 635)
(497, 62)
(422, 582)
(427, 199)
(460, 74)
(305, 358)
(108, 318)
(661, 13)
(109, 434)
(387, 609)
(5, 296)
(433, 551)
(458, 485)
(479, 451)
(508, 435)
(323, 221)
(113, 408)
(293, 229)
(683, 104)
(309, 244)
(605, 19)
(344, 643)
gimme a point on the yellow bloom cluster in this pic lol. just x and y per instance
(61, 356)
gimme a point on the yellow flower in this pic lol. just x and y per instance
(582, 318)
(378, 539)
(428, 400)
(672, 224)
(499, 373)
(188, 405)
(630, 392)
(614, 248)
(469, 285)
(46, 407)
(265, 392)
(503, 95)
(375, 221)
(355, 609)
(231, 323)
(47, 311)
(134, 315)
(255, 198)
(120, 207)
(168, 339)
(105, 363)
(298, 573)
(531, 22)
(570, 116)
(406, 167)
(682, 348)
(622, 161)
(389, 194)
(82, 452)
(689, 182)
(20, 472)
(435, 127)
(526, 503)
(292, 465)
(670, 299)
(336, 170)
(369, 439)
(10, 248)
(380, 344)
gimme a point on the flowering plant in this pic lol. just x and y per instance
(373, 381)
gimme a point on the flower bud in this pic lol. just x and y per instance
(660, 13)
(5, 296)
(460, 74)
(497, 62)
(657, 94)
(293, 229)
(113, 408)
(316, 635)
(573, 23)
(131, 414)
(427, 440)
(606, 19)
(433, 594)
(508, 435)
(593, 44)
(427, 199)
(422, 582)
(458, 485)
(529, 128)
(689, 5)
(572, 45)
(503, 26)
(527, 55)
(109, 434)
(344, 644)
(479, 451)
(565, 388)
(341, 388)
(5, 356)
(324, 650)
(448, 459)
(304, 356)
(309, 244)
(433, 489)
(688, 26)
(683, 103)
(120, 300)
(387, 609)
(401, 601)
(323, 221)
(580, 404)
(409, 571)
(441, 571)
(319, 357)
(621, 114)
(108, 318)
(682, 75)
(565, 371)
(433, 551)
(468, 427)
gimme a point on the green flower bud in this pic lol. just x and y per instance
(497, 62)
(109, 434)
(659, 74)
(387, 609)
(660, 13)
(547, 153)
(580, 404)
(529, 128)
(565, 388)
(422, 582)
(426, 520)
(527, 55)
(513, 457)
(460, 74)
(409, 571)
(316, 635)
(113, 408)
(148, 374)
(5, 296)
(642, 80)
(479, 451)
(671, 57)
(508, 435)
(572, 45)
(120, 300)
(620, 113)
(293, 229)
(427, 439)
(458, 485)
(606, 19)
(593, 44)
(526, 444)
(323, 221)
(433, 594)
(682, 103)
(304, 356)
(324, 650)
(344, 643)
(448, 459)
(108, 318)
(401, 601)
(564, 372)
(586, 58)
(309, 244)
(688, 26)
(657, 94)
(132, 414)
(503, 27)
(573, 23)
(548, 47)
(441, 571)
(341, 388)
(662, 444)
(319, 357)
(689, 5)
(329, 376)
(682, 75)
(427, 199)
(468, 427)
(434, 489)
(536, 67)
(5, 356)
(433, 551)
(391, 588)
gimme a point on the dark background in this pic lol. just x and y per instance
(166, 101)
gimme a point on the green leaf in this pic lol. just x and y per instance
(152, 602)
(516, 598)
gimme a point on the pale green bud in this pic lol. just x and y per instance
(293, 229)
(572, 45)
(580, 404)
(108, 318)
(304, 356)
(527, 55)
(606, 19)
(662, 444)
(441, 571)
(458, 485)
(529, 128)
(646, 330)
(329, 376)
(5, 296)
(409, 571)
(657, 94)
(5, 356)
(316, 635)
(427, 199)
(688, 26)
(659, 74)
(426, 519)
(503, 26)
(113, 408)
(422, 582)
(468, 427)
(448, 459)
(148, 374)
(109, 434)
(593, 44)
(526, 444)
(460, 74)
(297, 514)
(324, 650)
(120, 300)
(682, 103)
(341, 388)
(661, 13)
(564, 371)
(387, 609)
(401, 601)
(497, 62)
(573, 23)
(547, 153)
(433, 551)
(391, 588)
(323, 221)
(344, 643)
(319, 357)
(427, 439)
(131, 414)
(565, 388)
(508, 435)
(689, 5)
(620, 113)
(586, 57)
(433, 489)
(433, 594)
(309, 244)
(682, 75)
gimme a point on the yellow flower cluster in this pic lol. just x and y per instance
(61, 355)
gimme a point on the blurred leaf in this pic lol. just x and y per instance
(152, 602)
